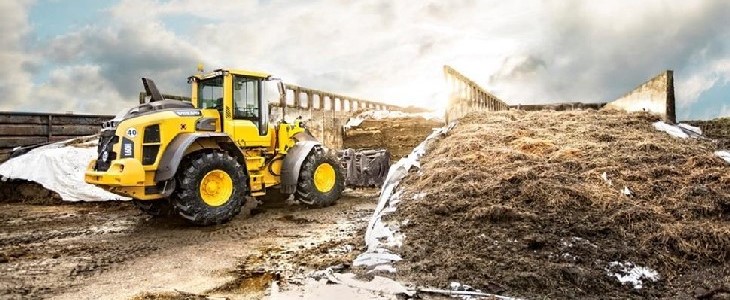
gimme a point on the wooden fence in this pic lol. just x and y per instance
(24, 129)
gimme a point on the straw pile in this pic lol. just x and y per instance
(551, 204)
(717, 129)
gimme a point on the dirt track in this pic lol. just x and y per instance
(112, 251)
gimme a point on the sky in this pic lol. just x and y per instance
(87, 56)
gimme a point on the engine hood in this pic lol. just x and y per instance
(181, 107)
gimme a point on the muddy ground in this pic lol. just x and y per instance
(113, 251)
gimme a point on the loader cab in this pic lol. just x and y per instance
(242, 99)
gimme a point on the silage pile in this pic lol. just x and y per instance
(717, 129)
(567, 204)
(398, 132)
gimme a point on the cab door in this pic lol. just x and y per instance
(248, 113)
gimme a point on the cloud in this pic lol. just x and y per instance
(517, 68)
(15, 60)
(708, 75)
(128, 53)
(76, 89)
(527, 52)
(596, 51)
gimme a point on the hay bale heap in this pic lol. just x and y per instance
(517, 203)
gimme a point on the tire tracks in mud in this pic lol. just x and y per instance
(50, 250)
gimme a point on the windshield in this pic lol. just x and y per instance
(210, 93)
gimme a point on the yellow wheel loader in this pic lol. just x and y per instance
(202, 160)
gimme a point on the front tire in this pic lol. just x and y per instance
(321, 180)
(212, 189)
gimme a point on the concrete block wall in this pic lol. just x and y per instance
(655, 96)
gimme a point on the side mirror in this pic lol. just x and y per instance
(264, 119)
(282, 94)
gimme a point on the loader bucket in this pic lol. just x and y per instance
(365, 168)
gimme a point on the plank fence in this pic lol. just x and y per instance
(28, 128)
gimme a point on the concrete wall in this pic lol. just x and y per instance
(324, 113)
(559, 106)
(466, 96)
(655, 96)
(326, 126)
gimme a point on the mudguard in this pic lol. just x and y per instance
(293, 163)
(170, 160)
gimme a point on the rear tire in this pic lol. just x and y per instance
(321, 180)
(155, 208)
(212, 189)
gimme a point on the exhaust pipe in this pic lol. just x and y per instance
(151, 89)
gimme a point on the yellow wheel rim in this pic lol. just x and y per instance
(324, 178)
(216, 188)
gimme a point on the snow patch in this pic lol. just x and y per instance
(627, 272)
(59, 167)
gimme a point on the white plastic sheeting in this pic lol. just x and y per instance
(60, 167)
(687, 131)
(724, 155)
(379, 237)
(680, 131)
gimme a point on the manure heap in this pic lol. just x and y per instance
(587, 204)
(396, 131)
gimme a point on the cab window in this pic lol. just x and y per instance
(210, 93)
(246, 97)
